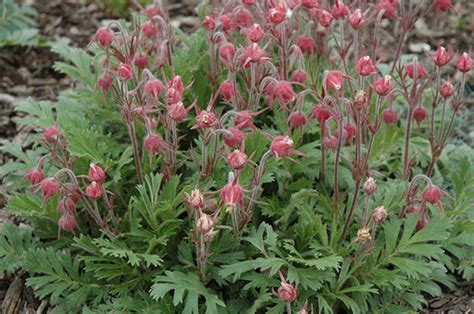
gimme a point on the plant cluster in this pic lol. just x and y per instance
(269, 161)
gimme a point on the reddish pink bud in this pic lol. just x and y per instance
(365, 66)
(255, 33)
(464, 63)
(357, 19)
(389, 7)
(153, 143)
(96, 173)
(227, 90)
(446, 89)
(141, 61)
(325, 18)
(299, 76)
(284, 92)
(227, 53)
(176, 83)
(443, 5)
(205, 223)
(310, 4)
(195, 200)
(232, 194)
(67, 206)
(379, 214)
(233, 137)
(432, 194)
(412, 210)
(442, 57)
(254, 53)
(422, 222)
(226, 23)
(34, 176)
(104, 37)
(124, 71)
(333, 81)
(277, 15)
(350, 132)
(51, 134)
(149, 29)
(361, 100)
(152, 10)
(177, 111)
(205, 119)
(244, 120)
(50, 187)
(421, 71)
(420, 114)
(243, 18)
(153, 88)
(209, 23)
(286, 292)
(237, 159)
(389, 116)
(94, 190)
(383, 86)
(105, 81)
(370, 186)
(67, 222)
(248, 2)
(282, 146)
(306, 44)
(339, 10)
(322, 113)
(297, 119)
(330, 142)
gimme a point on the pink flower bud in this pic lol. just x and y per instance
(286, 292)
(237, 159)
(67, 222)
(299, 76)
(67, 206)
(205, 119)
(365, 67)
(333, 81)
(232, 194)
(141, 61)
(357, 19)
(277, 15)
(322, 113)
(154, 88)
(442, 57)
(50, 187)
(297, 119)
(195, 200)
(152, 10)
(284, 92)
(227, 53)
(153, 143)
(209, 23)
(422, 222)
(226, 23)
(339, 10)
(446, 89)
(330, 143)
(306, 44)
(177, 112)
(443, 5)
(244, 120)
(51, 134)
(420, 114)
(325, 18)
(248, 2)
(310, 4)
(421, 71)
(282, 146)
(105, 81)
(243, 18)
(370, 186)
(149, 29)
(389, 7)
(389, 116)
(227, 90)
(104, 37)
(254, 53)
(205, 223)
(464, 63)
(96, 173)
(432, 194)
(124, 71)
(350, 132)
(383, 86)
(34, 176)
(176, 83)
(361, 100)
(255, 33)
(233, 137)
(412, 210)
(379, 214)
(94, 190)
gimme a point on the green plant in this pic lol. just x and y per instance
(17, 24)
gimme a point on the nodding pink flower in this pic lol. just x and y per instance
(174, 90)
(446, 89)
(322, 113)
(154, 87)
(244, 120)
(34, 176)
(297, 119)
(442, 57)
(350, 132)
(255, 33)
(310, 4)
(237, 159)
(226, 23)
(420, 114)
(209, 23)
(339, 10)
(149, 29)
(361, 100)
(94, 190)
(253, 53)
(152, 10)
(153, 143)
(330, 142)
(50, 187)
(333, 81)
(96, 173)
(285, 92)
(389, 7)
(306, 44)
(370, 186)
(141, 61)
(124, 71)
(379, 214)
(432, 194)
(195, 200)
(248, 2)
(205, 223)
(286, 292)
(227, 52)
(464, 63)
(67, 206)
(383, 86)
(104, 37)
(233, 137)
(282, 146)
(105, 81)
(243, 18)
(205, 119)
(299, 76)
(67, 222)
(421, 71)
(52, 134)
(422, 222)
(177, 112)
(443, 5)
(227, 90)
(324, 17)
(365, 66)
(232, 194)
(357, 19)
(389, 116)
(277, 14)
